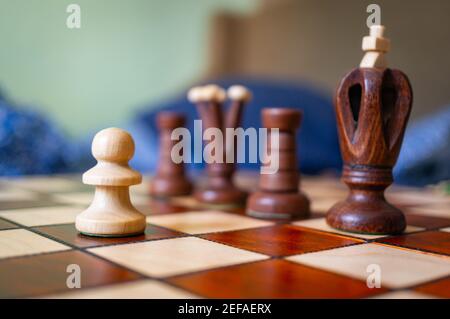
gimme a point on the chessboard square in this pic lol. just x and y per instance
(21, 242)
(272, 279)
(6, 225)
(281, 240)
(48, 274)
(23, 204)
(438, 288)
(139, 289)
(430, 241)
(47, 183)
(203, 222)
(170, 257)
(8, 193)
(399, 267)
(69, 234)
(433, 210)
(43, 215)
(428, 222)
(321, 224)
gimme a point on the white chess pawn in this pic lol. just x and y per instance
(111, 212)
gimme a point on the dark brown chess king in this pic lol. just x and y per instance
(219, 187)
(372, 109)
(279, 196)
(170, 179)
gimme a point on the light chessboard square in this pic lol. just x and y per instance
(321, 224)
(141, 289)
(206, 222)
(21, 242)
(43, 215)
(400, 268)
(16, 194)
(46, 184)
(162, 258)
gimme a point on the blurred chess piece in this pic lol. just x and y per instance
(219, 187)
(279, 196)
(373, 104)
(170, 178)
(111, 213)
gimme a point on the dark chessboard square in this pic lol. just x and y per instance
(431, 241)
(68, 234)
(281, 240)
(47, 274)
(273, 279)
(6, 225)
(439, 288)
(428, 222)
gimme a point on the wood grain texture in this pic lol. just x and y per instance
(439, 288)
(431, 241)
(46, 274)
(273, 279)
(372, 110)
(281, 240)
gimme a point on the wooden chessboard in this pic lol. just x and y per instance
(190, 250)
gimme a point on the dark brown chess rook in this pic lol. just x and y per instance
(279, 195)
(218, 187)
(170, 179)
(372, 109)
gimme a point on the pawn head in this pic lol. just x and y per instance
(113, 145)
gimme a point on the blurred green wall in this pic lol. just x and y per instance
(126, 54)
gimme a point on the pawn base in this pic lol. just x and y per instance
(223, 196)
(367, 217)
(122, 226)
(267, 205)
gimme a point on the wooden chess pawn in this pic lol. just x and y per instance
(373, 104)
(170, 179)
(279, 196)
(219, 187)
(111, 213)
